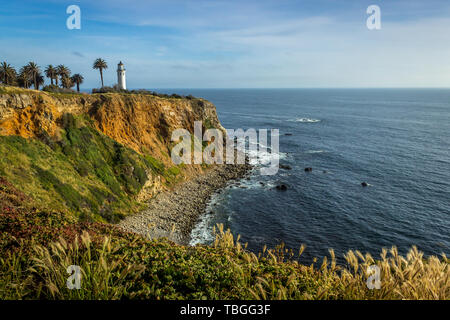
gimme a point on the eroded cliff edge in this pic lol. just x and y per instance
(141, 122)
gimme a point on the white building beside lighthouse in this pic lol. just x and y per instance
(121, 78)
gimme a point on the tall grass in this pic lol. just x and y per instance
(410, 277)
(133, 267)
(104, 273)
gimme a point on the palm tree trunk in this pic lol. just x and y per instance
(101, 76)
(51, 80)
(56, 80)
(78, 87)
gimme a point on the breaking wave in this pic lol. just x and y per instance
(307, 120)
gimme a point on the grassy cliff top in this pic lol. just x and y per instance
(12, 90)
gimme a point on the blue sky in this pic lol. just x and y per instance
(236, 44)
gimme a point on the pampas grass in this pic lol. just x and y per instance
(131, 267)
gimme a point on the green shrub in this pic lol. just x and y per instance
(65, 173)
(156, 165)
(55, 89)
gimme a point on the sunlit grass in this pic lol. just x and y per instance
(131, 267)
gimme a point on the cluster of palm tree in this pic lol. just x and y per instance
(31, 75)
(28, 75)
(63, 74)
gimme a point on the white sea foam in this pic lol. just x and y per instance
(253, 184)
(263, 157)
(307, 120)
(315, 151)
(202, 232)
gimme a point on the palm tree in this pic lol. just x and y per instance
(51, 73)
(63, 72)
(40, 80)
(67, 82)
(78, 79)
(7, 73)
(100, 64)
(25, 80)
(34, 70)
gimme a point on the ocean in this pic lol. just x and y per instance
(396, 140)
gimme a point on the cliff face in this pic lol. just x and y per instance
(96, 155)
(142, 122)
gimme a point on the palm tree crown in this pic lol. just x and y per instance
(51, 73)
(67, 82)
(7, 73)
(34, 71)
(39, 81)
(25, 80)
(78, 79)
(100, 64)
(64, 73)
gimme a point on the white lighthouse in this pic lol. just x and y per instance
(121, 79)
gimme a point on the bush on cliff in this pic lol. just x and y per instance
(115, 89)
(109, 90)
(55, 89)
(82, 172)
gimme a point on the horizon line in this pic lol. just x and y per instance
(272, 88)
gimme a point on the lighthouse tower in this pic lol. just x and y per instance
(121, 79)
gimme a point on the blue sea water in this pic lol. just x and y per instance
(396, 140)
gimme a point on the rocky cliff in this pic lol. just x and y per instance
(93, 154)
(141, 122)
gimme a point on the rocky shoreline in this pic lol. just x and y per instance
(174, 213)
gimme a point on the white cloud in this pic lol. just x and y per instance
(236, 44)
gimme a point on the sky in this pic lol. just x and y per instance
(236, 44)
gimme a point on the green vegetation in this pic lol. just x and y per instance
(171, 175)
(61, 80)
(10, 90)
(31, 75)
(51, 73)
(64, 73)
(55, 89)
(115, 89)
(8, 74)
(77, 79)
(37, 246)
(100, 65)
(84, 172)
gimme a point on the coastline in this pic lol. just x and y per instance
(174, 213)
